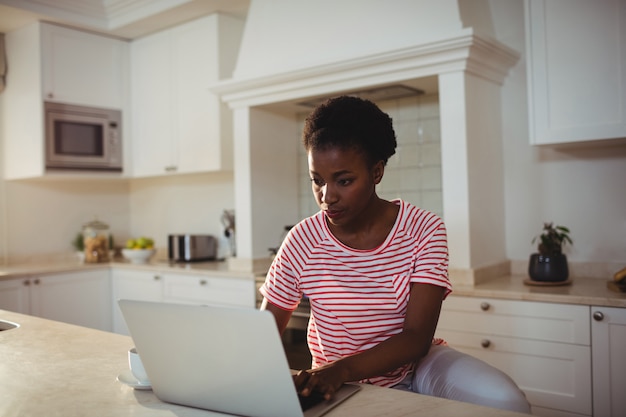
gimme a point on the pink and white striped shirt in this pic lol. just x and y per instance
(358, 297)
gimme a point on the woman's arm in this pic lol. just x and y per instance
(282, 316)
(408, 346)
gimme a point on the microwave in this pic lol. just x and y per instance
(82, 138)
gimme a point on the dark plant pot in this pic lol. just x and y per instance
(548, 268)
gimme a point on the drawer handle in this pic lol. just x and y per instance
(203, 282)
(157, 277)
(484, 306)
(598, 316)
(26, 283)
(485, 343)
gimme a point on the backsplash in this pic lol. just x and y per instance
(414, 172)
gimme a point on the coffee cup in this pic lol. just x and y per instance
(137, 368)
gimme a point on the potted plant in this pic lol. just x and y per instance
(550, 263)
(79, 246)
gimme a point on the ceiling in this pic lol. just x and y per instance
(126, 19)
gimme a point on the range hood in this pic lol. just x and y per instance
(298, 52)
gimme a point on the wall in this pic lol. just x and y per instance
(42, 216)
(179, 204)
(581, 187)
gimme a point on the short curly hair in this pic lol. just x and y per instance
(350, 122)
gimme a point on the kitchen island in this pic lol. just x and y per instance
(50, 368)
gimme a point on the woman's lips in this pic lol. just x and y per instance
(333, 214)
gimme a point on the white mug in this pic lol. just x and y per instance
(137, 368)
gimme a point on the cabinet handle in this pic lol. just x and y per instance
(170, 168)
(485, 343)
(484, 306)
(36, 282)
(203, 282)
(26, 282)
(598, 316)
(157, 277)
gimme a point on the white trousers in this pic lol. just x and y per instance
(447, 373)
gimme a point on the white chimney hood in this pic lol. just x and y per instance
(298, 50)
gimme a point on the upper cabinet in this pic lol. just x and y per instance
(576, 57)
(178, 125)
(83, 68)
(48, 62)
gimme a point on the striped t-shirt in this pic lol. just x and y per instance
(358, 297)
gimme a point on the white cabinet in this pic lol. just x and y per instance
(47, 62)
(608, 339)
(15, 295)
(178, 126)
(133, 285)
(544, 347)
(177, 288)
(77, 297)
(576, 63)
(83, 68)
(209, 290)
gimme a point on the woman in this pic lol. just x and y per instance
(375, 272)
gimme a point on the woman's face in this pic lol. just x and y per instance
(343, 184)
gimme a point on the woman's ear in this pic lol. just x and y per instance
(378, 171)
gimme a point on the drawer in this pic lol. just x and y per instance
(209, 290)
(554, 376)
(550, 322)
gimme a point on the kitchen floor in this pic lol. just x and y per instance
(296, 349)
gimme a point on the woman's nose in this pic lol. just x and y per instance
(328, 194)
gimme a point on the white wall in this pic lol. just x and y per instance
(580, 187)
(42, 217)
(179, 204)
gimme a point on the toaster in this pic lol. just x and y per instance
(191, 248)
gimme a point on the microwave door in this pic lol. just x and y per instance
(77, 141)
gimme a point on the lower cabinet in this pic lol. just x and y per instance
(544, 347)
(133, 285)
(608, 337)
(178, 288)
(76, 297)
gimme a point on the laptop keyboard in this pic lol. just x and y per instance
(311, 401)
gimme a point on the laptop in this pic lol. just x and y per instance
(225, 359)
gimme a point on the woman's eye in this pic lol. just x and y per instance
(317, 182)
(344, 182)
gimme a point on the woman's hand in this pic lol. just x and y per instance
(325, 380)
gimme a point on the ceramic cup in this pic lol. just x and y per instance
(136, 367)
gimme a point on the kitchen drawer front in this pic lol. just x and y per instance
(555, 376)
(522, 319)
(210, 290)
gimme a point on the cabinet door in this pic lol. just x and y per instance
(195, 289)
(194, 49)
(83, 68)
(77, 297)
(153, 129)
(133, 285)
(544, 347)
(608, 333)
(576, 58)
(15, 295)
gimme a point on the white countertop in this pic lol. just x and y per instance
(50, 368)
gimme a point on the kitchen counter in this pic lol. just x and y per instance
(216, 268)
(56, 369)
(583, 291)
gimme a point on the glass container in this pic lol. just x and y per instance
(96, 241)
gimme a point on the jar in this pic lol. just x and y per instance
(96, 241)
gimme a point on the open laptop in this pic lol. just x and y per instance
(217, 358)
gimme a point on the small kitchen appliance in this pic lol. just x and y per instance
(85, 138)
(191, 248)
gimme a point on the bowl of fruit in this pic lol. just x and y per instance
(139, 251)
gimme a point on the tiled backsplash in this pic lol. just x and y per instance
(414, 172)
